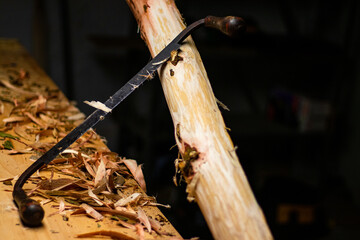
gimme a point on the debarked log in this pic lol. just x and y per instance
(209, 164)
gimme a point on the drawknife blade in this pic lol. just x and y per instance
(31, 213)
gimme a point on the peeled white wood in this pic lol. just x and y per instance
(215, 178)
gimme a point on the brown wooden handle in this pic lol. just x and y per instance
(30, 211)
(229, 25)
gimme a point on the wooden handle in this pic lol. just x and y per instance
(30, 211)
(229, 25)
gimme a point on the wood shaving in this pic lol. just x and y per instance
(144, 219)
(84, 178)
(190, 188)
(98, 105)
(88, 167)
(136, 171)
(75, 152)
(100, 174)
(92, 212)
(139, 177)
(35, 120)
(221, 104)
(125, 201)
(61, 208)
(96, 199)
(127, 225)
(6, 179)
(16, 89)
(140, 231)
(14, 119)
(112, 234)
(78, 116)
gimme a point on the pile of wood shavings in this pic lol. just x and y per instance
(92, 181)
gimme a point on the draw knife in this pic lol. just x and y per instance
(30, 211)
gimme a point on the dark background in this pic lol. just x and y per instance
(292, 83)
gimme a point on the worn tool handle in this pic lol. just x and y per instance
(229, 25)
(30, 211)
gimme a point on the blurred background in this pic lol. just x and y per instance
(292, 84)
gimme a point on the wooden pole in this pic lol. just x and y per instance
(209, 163)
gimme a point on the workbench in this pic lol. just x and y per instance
(14, 159)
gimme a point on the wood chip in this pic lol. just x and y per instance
(87, 166)
(98, 105)
(140, 231)
(92, 212)
(124, 213)
(100, 174)
(127, 225)
(35, 120)
(136, 171)
(6, 179)
(93, 196)
(14, 119)
(76, 152)
(143, 218)
(7, 84)
(57, 184)
(139, 177)
(77, 116)
(112, 234)
(128, 200)
(21, 131)
(61, 208)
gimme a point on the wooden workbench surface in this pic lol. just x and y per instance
(29, 135)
